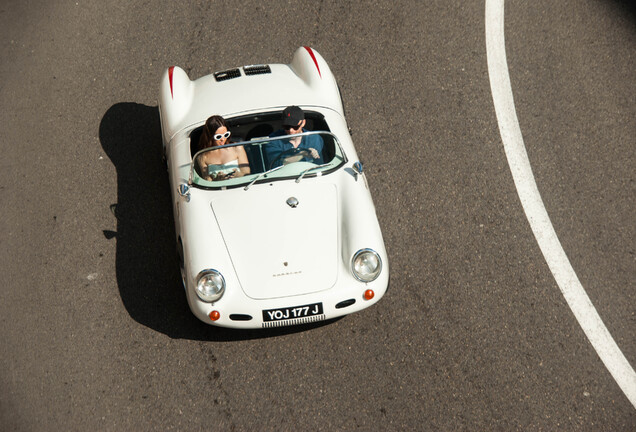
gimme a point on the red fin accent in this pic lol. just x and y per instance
(313, 57)
(170, 78)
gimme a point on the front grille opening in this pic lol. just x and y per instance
(227, 74)
(346, 303)
(295, 321)
(240, 317)
(257, 69)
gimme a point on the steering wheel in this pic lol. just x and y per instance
(288, 154)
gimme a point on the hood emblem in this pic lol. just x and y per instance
(292, 202)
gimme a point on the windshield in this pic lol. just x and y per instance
(286, 156)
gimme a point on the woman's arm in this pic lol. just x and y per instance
(203, 169)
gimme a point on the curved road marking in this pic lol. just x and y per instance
(564, 274)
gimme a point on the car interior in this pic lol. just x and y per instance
(256, 126)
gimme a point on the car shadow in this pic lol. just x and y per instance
(147, 267)
(628, 7)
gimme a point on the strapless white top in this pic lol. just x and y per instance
(226, 168)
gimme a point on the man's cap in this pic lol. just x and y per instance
(292, 115)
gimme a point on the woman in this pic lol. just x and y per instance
(223, 163)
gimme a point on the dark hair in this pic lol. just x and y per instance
(210, 127)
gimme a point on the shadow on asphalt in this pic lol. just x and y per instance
(146, 262)
(628, 7)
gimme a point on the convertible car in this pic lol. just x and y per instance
(296, 240)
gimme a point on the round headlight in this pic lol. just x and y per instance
(366, 265)
(210, 285)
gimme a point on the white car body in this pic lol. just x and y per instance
(278, 261)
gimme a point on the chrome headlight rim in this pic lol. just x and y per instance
(208, 297)
(366, 278)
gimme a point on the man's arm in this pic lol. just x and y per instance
(272, 149)
(316, 142)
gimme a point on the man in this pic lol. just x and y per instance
(292, 149)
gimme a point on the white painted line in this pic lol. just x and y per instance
(564, 274)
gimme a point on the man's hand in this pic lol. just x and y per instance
(314, 153)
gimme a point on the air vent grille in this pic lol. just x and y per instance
(227, 74)
(295, 321)
(257, 69)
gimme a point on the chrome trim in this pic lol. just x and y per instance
(203, 273)
(184, 191)
(358, 167)
(263, 174)
(302, 174)
(355, 255)
(292, 202)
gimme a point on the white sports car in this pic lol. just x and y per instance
(295, 240)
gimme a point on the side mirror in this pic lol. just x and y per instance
(184, 191)
(357, 167)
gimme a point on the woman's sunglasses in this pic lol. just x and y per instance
(218, 137)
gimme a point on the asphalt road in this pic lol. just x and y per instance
(474, 333)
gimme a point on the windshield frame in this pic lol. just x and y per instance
(339, 159)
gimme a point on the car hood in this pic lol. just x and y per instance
(277, 249)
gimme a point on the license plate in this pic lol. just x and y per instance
(292, 312)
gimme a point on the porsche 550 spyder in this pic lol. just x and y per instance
(297, 239)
